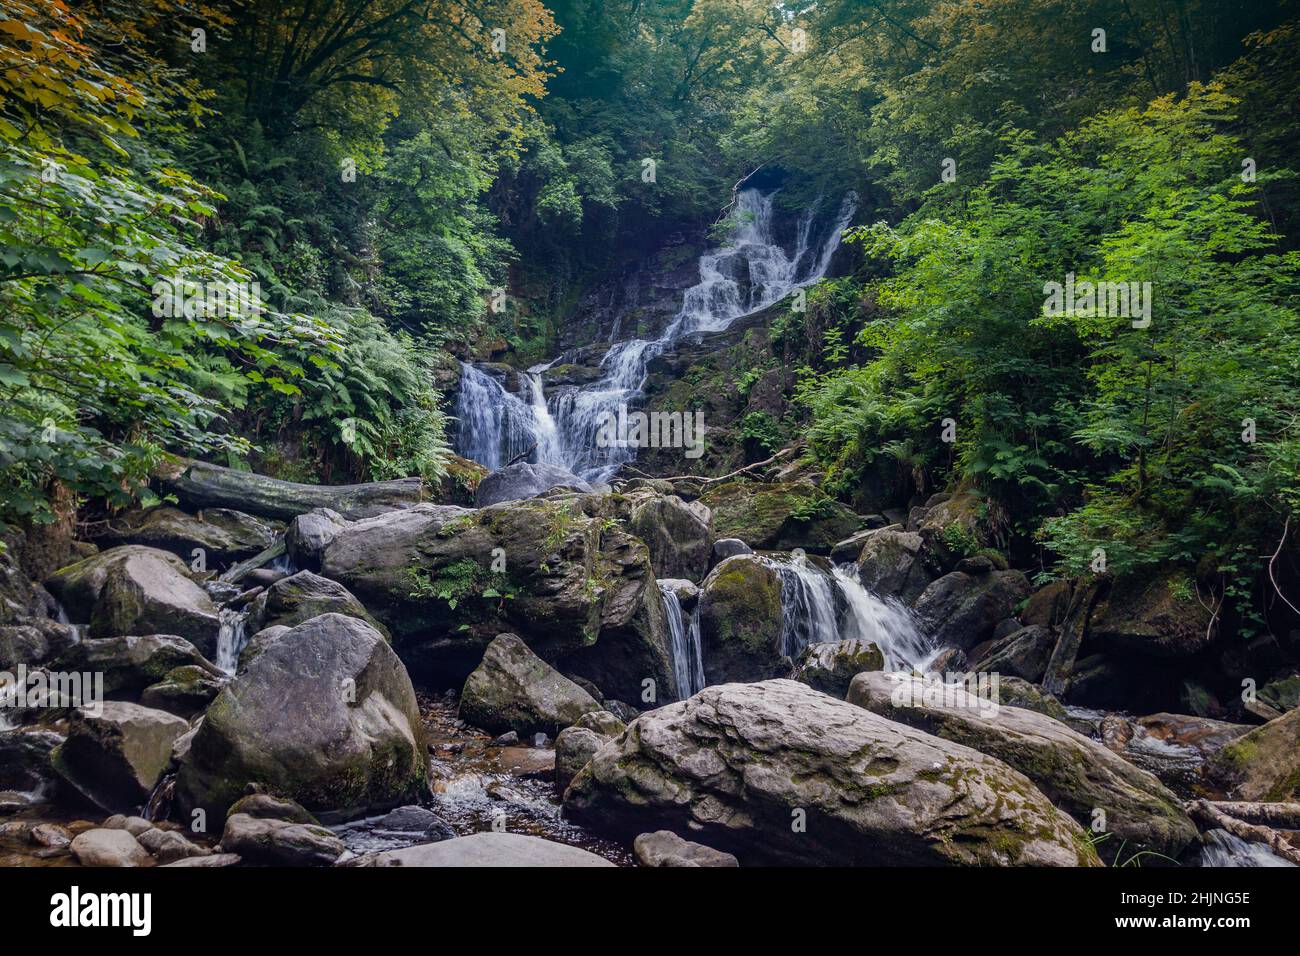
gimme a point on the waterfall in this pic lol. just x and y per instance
(749, 272)
(684, 642)
(1222, 848)
(817, 607)
(231, 638)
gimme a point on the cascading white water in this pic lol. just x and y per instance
(749, 272)
(884, 622)
(684, 642)
(231, 638)
(811, 614)
(1222, 848)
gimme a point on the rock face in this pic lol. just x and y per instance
(560, 573)
(133, 663)
(1262, 765)
(488, 849)
(114, 757)
(741, 621)
(738, 763)
(324, 715)
(779, 516)
(137, 590)
(1159, 617)
(829, 667)
(302, 596)
(1077, 774)
(224, 536)
(665, 848)
(678, 534)
(1023, 653)
(514, 689)
(524, 480)
(890, 563)
(961, 609)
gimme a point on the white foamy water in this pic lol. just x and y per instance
(1224, 849)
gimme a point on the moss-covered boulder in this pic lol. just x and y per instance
(890, 563)
(962, 610)
(1157, 617)
(325, 715)
(829, 667)
(678, 534)
(778, 773)
(514, 689)
(135, 589)
(183, 691)
(779, 516)
(1076, 773)
(1263, 764)
(741, 621)
(130, 664)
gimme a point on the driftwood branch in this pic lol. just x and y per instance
(1205, 813)
(1284, 816)
(739, 471)
(1273, 560)
(521, 456)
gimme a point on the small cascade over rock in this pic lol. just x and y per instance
(751, 271)
(1222, 848)
(684, 642)
(232, 638)
(819, 606)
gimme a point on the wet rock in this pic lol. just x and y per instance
(33, 642)
(961, 609)
(224, 536)
(50, 835)
(1174, 747)
(1015, 692)
(361, 748)
(1024, 653)
(624, 712)
(168, 846)
(890, 564)
(1263, 764)
(725, 548)
(279, 842)
(302, 596)
(779, 516)
(136, 826)
(678, 534)
(116, 751)
(487, 849)
(109, 848)
(25, 760)
(524, 480)
(741, 621)
(132, 663)
(416, 821)
(829, 667)
(308, 535)
(665, 848)
(514, 689)
(264, 806)
(1077, 774)
(134, 589)
(184, 691)
(736, 763)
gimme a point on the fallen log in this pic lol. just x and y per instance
(1283, 816)
(201, 485)
(1204, 813)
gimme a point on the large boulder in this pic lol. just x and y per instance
(1023, 653)
(184, 690)
(325, 715)
(514, 689)
(831, 665)
(130, 664)
(776, 772)
(487, 849)
(1159, 617)
(222, 536)
(575, 745)
(562, 573)
(280, 842)
(116, 848)
(678, 534)
(524, 480)
(1077, 774)
(891, 563)
(307, 536)
(949, 527)
(779, 515)
(962, 610)
(115, 752)
(665, 848)
(135, 589)
(1263, 764)
(741, 621)
(302, 596)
